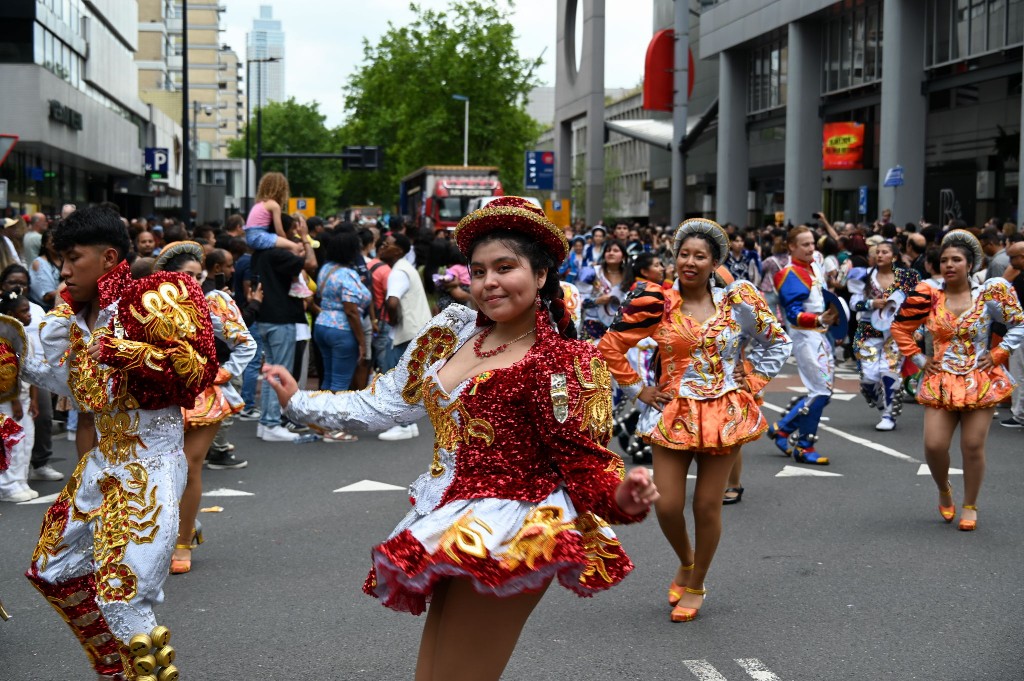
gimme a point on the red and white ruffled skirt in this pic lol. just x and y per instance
(503, 547)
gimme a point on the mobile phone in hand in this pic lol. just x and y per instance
(219, 281)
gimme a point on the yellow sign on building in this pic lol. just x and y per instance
(298, 204)
(559, 211)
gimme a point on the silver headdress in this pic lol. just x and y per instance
(702, 226)
(175, 249)
(961, 237)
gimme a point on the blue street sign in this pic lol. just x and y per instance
(300, 204)
(157, 162)
(540, 170)
(894, 177)
(862, 200)
(556, 205)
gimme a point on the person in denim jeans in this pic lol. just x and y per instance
(276, 320)
(344, 301)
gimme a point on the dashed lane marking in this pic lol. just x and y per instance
(855, 439)
(369, 486)
(755, 669)
(704, 670)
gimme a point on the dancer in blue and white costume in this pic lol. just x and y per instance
(799, 285)
(877, 296)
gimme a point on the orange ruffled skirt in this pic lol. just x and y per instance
(212, 406)
(964, 392)
(713, 426)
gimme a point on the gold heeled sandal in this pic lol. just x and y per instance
(968, 525)
(675, 591)
(948, 512)
(681, 614)
(181, 566)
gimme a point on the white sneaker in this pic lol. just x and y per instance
(887, 423)
(259, 430)
(398, 433)
(35, 494)
(18, 497)
(46, 472)
(415, 430)
(71, 435)
(278, 434)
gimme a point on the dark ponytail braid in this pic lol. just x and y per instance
(533, 252)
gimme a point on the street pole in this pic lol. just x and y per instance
(465, 129)
(186, 171)
(248, 155)
(680, 82)
(259, 117)
(194, 150)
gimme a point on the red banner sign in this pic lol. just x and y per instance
(843, 146)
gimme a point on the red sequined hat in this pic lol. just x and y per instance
(518, 215)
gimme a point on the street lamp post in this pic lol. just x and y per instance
(193, 180)
(248, 81)
(465, 132)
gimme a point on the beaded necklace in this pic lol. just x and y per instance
(479, 343)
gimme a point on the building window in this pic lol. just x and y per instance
(962, 29)
(852, 48)
(766, 86)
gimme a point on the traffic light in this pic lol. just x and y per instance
(361, 158)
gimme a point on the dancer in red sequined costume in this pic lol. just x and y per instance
(521, 488)
(132, 353)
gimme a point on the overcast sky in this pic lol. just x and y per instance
(324, 39)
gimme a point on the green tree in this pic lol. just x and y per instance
(290, 127)
(400, 98)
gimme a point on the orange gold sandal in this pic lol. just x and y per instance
(968, 525)
(948, 512)
(675, 591)
(178, 566)
(681, 614)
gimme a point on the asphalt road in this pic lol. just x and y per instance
(846, 576)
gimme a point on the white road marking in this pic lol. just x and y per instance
(369, 486)
(224, 492)
(923, 470)
(48, 499)
(756, 670)
(797, 472)
(703, 670)
(845, 397)
(858, 440)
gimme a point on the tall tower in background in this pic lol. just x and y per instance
(266, 40)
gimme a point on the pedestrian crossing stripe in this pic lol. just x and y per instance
(753, 667)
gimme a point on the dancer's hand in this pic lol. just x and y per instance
(985, 362)
(929, 367)
(637, 492)
(278, 378)
(656, 397)
(829, 317)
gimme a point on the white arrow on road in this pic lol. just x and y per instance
(369, 486)
(227, 493)
(797, 472)
(923, 470)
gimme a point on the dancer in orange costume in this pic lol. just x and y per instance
(963, 380)
(705, 408)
